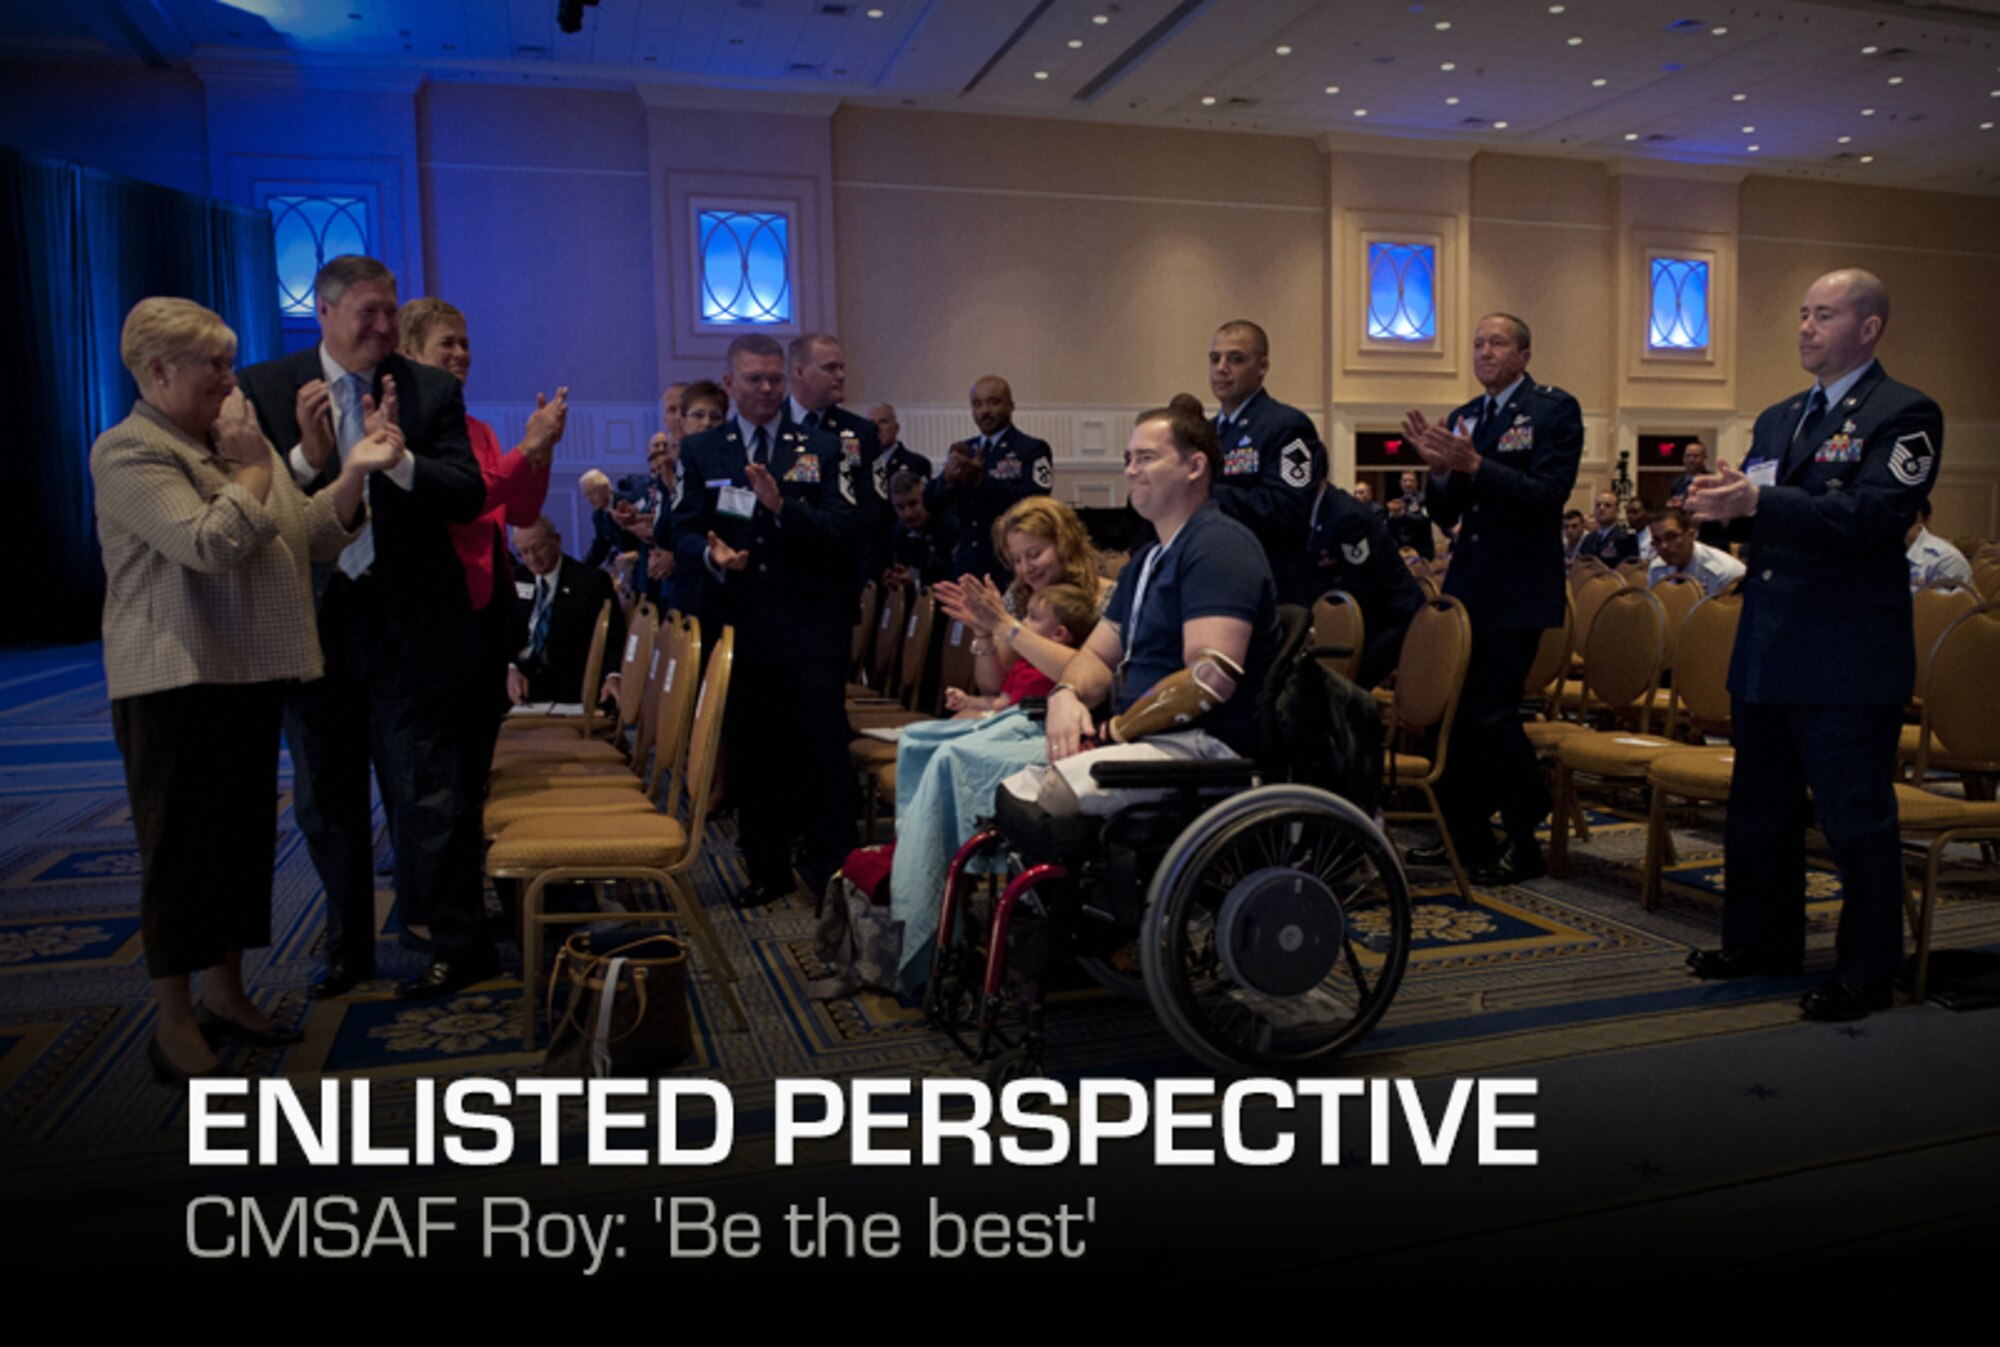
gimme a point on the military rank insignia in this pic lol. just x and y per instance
(1911, 461)
(1006, 469)
(1240, 460)
(804, 469)
(1044, 475)
(1295, 465)
(1356, 553)
(1520, 435)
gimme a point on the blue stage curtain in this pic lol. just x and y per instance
(82, 247)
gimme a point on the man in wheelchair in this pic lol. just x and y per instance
(1272, 923)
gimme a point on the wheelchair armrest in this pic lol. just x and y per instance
(1171, 775)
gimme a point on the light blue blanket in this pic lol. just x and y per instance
(946, 774)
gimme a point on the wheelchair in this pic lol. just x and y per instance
(1266, 920)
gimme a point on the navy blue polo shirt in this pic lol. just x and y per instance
(1215, 567)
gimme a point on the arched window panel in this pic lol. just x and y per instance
(1402, 292)
(309, 230)
(1678, 305)
(745, 263)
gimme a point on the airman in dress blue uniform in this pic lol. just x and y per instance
(1502, 467)
(1825, 660)
(767, 510)
(985, 475)
(1272, 459)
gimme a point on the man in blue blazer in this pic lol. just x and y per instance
(1502, 467)
(767, 511)
(1272, 458)
(396, 623)
(1825, 660)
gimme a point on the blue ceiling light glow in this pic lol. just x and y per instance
(308, 230)
(745, 267)
(1680, 305)
(1402, 292)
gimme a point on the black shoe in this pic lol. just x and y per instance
(1517, 863)
(1434, 854)
(446, 976)
(341, 978)
(1718, 965)
(164, 1070)
(758, 895)
(1846, 998)
(215, 1026)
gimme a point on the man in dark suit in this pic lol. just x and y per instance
(1352, 550)
(818, 383)
(397, 629)
(766, 509)
(1824, 662)
(896, 456)
(1502, 467)
(1608, 540)
(1272, 458)
(985, 475)
(554, 618)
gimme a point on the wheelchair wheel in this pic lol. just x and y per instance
(1276, 931)
(1108, 974)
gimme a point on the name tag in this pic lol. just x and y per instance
(524, 589)
(738, 502)
(1764, 472)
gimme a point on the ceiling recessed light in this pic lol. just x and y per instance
(1895, 79)
(1576, 42)
(1749, 130)
(1869, 51)
(1208, 101)
(1333, 88)
(1868, 112)
(1100, 18)
(1631, 135)
(1075, 42)
(1452, 102)
(1555, 9)
(1755, 148)
(1041, 74)
(1738, 98)
(1449, 65)
(1986, 126)
(1442, 25)
(1499, 126)
(874, 13)
(1867, 158)
(1994, 94)
(1846, 140)
(1599, 83)
(1719, 32)
(1284, 51)
(1361, 112)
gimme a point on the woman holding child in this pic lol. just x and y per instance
(946, 771)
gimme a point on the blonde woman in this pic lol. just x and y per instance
(208, 616)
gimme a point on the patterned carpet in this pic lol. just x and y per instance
(1527, 978)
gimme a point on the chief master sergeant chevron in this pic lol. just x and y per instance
(1824, 660)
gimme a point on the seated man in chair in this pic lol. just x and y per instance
(1192, 628)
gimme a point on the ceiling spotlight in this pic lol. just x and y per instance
(1738, 98)
(1867, 158)
(1576, 42)
(1075, 42)
(1749, 130)
(1284, 51)
(1599, 83)
(1499, 126)
(1631, 135)
(1361, 112)
(1449, 65)
(1555, 9)
(1755, 148)
(1442, 25)
(1869, 51)
(1208, 101)
(1100, 19)
(1041, 74)
(1895, 79)
(1868, 112)
(874, 13)
(1846, 140)
(1986, 126)
(1452, 102)
(1333, 88)
(1718, 32)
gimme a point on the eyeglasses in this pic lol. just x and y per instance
(219, 364)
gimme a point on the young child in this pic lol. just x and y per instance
(1060, 613)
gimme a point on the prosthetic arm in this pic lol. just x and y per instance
(1181, 698)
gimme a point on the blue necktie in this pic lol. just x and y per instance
(348, 392)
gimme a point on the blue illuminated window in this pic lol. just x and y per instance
(309, 230)
(746, 266)
(1402, 292)
(1680, 305)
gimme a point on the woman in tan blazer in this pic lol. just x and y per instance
(208, 614)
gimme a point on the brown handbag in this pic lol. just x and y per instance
(627, 1012)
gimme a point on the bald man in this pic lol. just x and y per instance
(1824, 663)
(984, 476)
